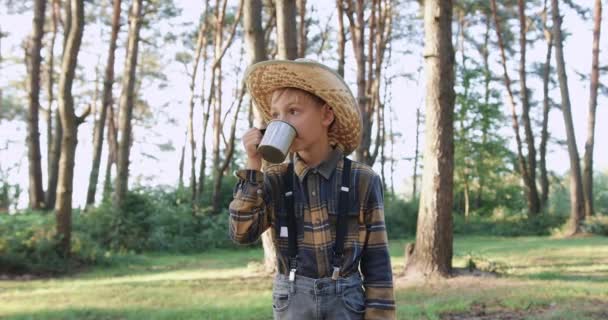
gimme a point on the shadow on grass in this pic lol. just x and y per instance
(253, 313)
(598, 278)
(589, 309)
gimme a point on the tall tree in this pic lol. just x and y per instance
(302, 28)
(127, 100)
(576, 187)
(533, 199)
(254, 40)
(544, 136)
(433, 249)
(69, 122)
(416, 153)
(112, 152)
(221, 46)
(286, 29)
(33, 59)
(256, 50)
(530, 185)
(341, 37)
(201, 44)
(595, 75)
(106, 101)
(54, 130)
(369, 64)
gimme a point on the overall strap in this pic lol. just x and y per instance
(292, 232)
(341, 221)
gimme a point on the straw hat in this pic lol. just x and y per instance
(264, 77)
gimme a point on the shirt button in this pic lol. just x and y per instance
(259, 191)
(314, 193)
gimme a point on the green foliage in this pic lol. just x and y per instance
(483, 163)
(160, 219)
(9, 193)
(476, 261)
(511, 225)
(401, 216)
(29, 241)
(10, 109)
(600, 192)
(596, 224)
(121, 230)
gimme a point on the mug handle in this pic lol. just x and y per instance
(263, 130)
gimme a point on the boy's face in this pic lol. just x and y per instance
(308, 114)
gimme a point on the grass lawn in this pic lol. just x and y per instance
(543, 278)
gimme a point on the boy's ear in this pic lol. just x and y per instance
(328, 116)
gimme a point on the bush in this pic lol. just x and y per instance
(512, 225)
(401, 217)
(596, 224)
(29, 245)
(121, 230)
(156, 219)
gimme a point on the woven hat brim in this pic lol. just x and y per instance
(262, 78)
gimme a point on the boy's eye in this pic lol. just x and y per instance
(275, 115)
(293, 111)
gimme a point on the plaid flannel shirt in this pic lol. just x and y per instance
(258, 205)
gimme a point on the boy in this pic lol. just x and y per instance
(325, 212)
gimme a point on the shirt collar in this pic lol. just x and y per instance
(325, 168)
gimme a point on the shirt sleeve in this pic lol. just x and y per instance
(375, 260)
(249, 209)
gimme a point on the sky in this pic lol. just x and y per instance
(151, 166)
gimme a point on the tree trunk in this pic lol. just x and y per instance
(220, 48)
(69, 122)
(485, 126)
(106, 101)
(463, 135)
(302, 28)
(416, 155)
(36, 194)
(201, 172)
(112, 152)
(180, 183)
(595, 75)
(50, 82)
(127, 100)
(53, 142)
(534, 200)
(341, 37)
(544, 137)
(256, 50)
(523, 168)
(200, 46)
(432, 254)
(254, 43)
(357, 31)
(576, 192)
(368, 85)
(203, 163)
(217, 102)
(286, 29)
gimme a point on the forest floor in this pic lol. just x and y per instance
(521, 278)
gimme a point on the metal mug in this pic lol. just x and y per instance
(277, 139)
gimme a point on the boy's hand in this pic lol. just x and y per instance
(251, 140)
